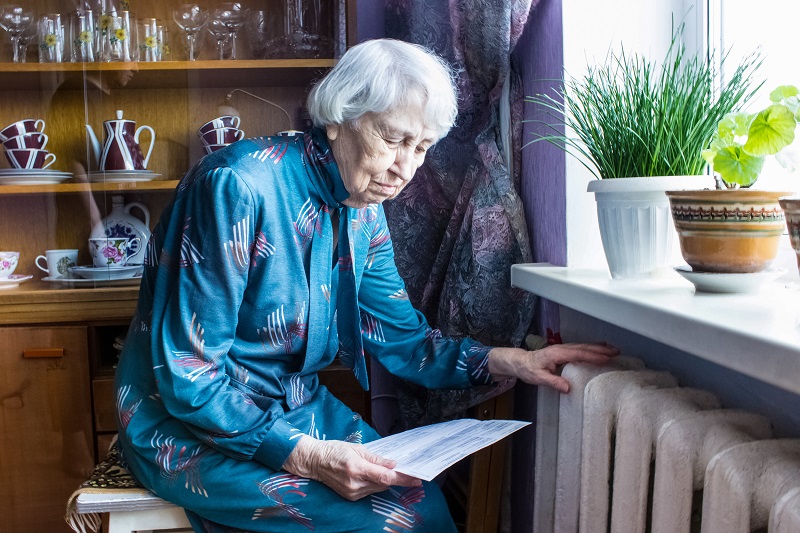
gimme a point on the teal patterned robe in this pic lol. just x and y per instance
(243, 300)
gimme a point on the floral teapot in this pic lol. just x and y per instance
(120, 150)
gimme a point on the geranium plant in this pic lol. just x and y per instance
(743, 141)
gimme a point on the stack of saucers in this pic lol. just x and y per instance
(219, 133)
(24, 143)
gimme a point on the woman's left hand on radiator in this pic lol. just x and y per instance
(541, 367)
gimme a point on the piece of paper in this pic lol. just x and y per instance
(425, 452)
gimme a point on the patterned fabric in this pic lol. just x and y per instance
(239, 309)
(459, 225)
(110, 476)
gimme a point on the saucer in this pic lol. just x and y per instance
(107, 273)
(36, 176)
(80, 282)
(13, 281)
(730, 283)
(122, 175)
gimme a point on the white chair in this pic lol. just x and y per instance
(133, 511)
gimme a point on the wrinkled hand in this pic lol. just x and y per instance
(349, 469)
(540, 367)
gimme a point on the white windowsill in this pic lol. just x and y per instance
(755, 334)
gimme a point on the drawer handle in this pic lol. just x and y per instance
(39, 353)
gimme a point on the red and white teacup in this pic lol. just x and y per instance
(209, 148)
(21, 127)
(30, 158)
(226, 121)
(27, 140)
(222, 136)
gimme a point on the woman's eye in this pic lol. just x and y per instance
(392, 144)
(421, 149)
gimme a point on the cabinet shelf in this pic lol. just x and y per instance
(38, 302)
(169, 74)
(110, 186)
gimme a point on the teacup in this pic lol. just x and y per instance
(210, 148)
(8, 263)
(30, 158)
(227, 121)
(21, 127)
(58, 262)
(222, 136)
(111, 252)
(26, 140)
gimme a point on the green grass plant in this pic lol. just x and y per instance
(631, 117)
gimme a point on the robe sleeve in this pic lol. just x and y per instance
(202, 277)
(399, 337)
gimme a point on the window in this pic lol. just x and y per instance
(742, 27)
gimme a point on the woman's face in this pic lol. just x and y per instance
(379, 154)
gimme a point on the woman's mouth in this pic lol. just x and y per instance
(386, 190)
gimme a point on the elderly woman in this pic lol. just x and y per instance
(274, 257)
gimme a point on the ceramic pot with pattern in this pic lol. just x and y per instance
(728, 231)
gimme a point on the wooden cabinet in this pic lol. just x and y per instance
(57, 410)
(46, 443)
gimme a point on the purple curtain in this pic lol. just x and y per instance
(459, 225)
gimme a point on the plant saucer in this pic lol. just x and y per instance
(729, 283)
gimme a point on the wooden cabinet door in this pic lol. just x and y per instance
(45, 425)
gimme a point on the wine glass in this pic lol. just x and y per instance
(25, 38)
(231, 15)
(15, 20)
(190, 18)
(221, 34)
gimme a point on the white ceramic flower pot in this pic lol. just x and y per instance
(636, 222)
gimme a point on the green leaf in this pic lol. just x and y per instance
(709, 156)
(771, 131)
(737, 166)
(784, 91)
(733, 124)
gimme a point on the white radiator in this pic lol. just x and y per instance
(630, 451)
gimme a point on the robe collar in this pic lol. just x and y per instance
(327, 180)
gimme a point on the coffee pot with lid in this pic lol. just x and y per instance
(120, 150)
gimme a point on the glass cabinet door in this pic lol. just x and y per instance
(101, 107)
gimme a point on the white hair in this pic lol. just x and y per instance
(378, 75)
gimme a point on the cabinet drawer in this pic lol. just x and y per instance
(46, 442)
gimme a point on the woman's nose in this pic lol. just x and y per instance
(403, 165)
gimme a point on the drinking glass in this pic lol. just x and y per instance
(231, 15)
(27, 37)
(115, 37)
(164, 49)
(262, 27)
(221, 34)
(81, 35)
(51, 39)
(147, 31)
(304, 29)
(190, 18)
(15, 20)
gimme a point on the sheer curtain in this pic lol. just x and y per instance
(459, 225)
